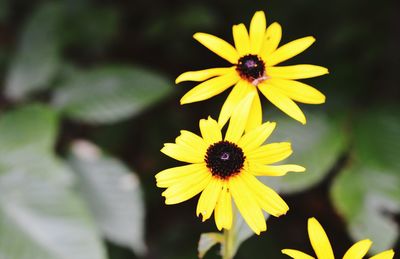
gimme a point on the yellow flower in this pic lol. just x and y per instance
(225, 168)
(254, 59)
(322, 247)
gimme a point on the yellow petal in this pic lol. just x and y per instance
(241, 38)
(358, 250)
(175, 175)
(218, 46)
(298, 91)
(258, 26)
(223, 210)
(208, 198)
(319, 240)
(247, 205)
(239, 119)
(191, 140)
(389, 254)
(289, 50)
(273, 170)
(296, 254)
(185, 190)
(239, 91)
(210, 131)
(210, 87)
(296, 71)
(257, 136)
(270, 153)
(255, 116)
(272, 38)
(267, 198)
(202, 75)
(183, 153)
(284, 103)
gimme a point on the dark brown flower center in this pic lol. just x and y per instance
(224, 159)
(251, 68)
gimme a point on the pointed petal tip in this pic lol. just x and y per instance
(313, 221)
(179, 79)
(312, 39)
(260, 11)
(323, 99)
(162, 150)
(368, 241)
(237, 25)
(302, 120)
(301, 169)
(198, 34)
(271, 124)
(184, 101)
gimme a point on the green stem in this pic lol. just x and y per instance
(229, 239)
(226, 253)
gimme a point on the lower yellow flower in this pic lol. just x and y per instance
(322, 247)
(225, 168)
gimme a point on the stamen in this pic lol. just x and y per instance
(251, 68)
(224, 159)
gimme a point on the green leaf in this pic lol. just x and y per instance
(367, 192)
(41, 216)
(377, 138)
(317, 146)
(366, 197)
(208, 240)
(110, 94)
(38, 53)
(28, 130)
(113, 193)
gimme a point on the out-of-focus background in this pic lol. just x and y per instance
(88, 99)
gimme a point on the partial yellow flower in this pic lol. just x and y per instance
(225, 168)
(322, 247)
(255, 58)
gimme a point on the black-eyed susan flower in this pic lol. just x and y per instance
(225, 168)
(322, 247)
(255, 58)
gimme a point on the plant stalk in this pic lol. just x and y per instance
(229, 240)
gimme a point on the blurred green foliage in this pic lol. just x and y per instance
(88, 99)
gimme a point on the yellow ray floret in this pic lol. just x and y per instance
(223, 169)
(323, 249)
(254, 59)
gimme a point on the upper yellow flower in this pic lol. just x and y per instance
(226, 168)
(322, 247)
(254, 60)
